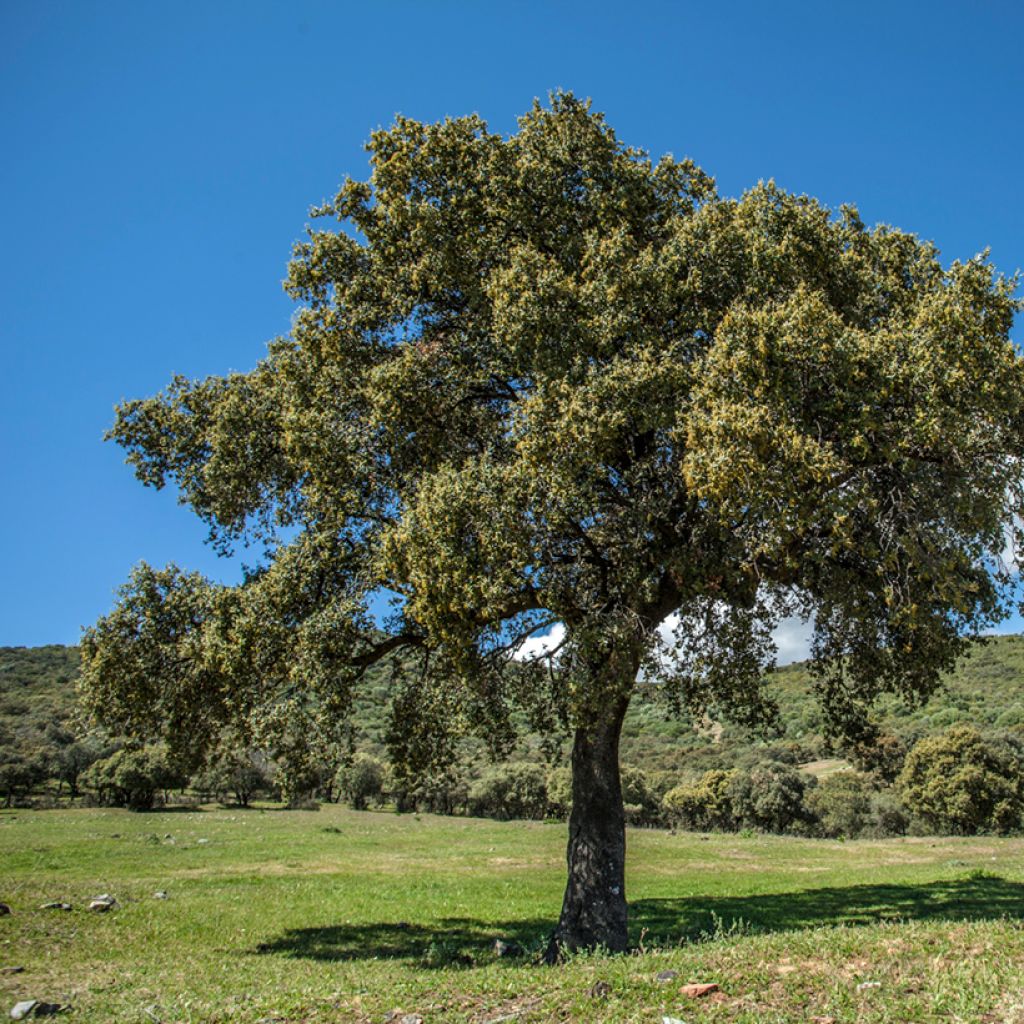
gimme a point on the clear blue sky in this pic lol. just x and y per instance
(159, 160)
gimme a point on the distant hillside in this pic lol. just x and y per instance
(987, 689)
(37, 694)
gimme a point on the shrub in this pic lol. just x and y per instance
(770, 797)
(640, 802)
(362, 781)
(559, 786)
(19, 771)
(889, 816)
(704, 805)
(132, 778)
(884, 756)
(237, 773)
(963, 782)
(73, 759)
(842, 804)
(510, 791)
(442, 792)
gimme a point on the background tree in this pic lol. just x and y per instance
(507, 791)
(236, 770)
(704, 804)
(770, 797)
(132, 777)
(964, 782)
(362, 781)
(539, 379)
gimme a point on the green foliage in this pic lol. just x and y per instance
(704, 805)
(559, 788)
(883, 756)
(843, 804)
(132, 778)
(362, 781)
(540, 378)
(964, 782)
(71, 760)
(770, 798)
(37, 728)
(640, 798)
(19, 772)
(513, 790)
(237, 772)
(307, 749)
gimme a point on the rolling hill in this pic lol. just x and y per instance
(37, 697)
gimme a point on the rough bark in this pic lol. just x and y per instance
(594, 907)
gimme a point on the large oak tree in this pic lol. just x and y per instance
(538, 379)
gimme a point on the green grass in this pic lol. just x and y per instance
(341, 916)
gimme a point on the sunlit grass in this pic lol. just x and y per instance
(341, 916)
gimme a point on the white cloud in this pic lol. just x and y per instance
(538, 645)
(792, 637)
(1009, 554)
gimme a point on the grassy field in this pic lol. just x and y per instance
(277, 916)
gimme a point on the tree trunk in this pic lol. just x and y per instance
(594, 907)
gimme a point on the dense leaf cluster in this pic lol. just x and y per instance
(541, 379)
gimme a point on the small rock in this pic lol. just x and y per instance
(55, 905)
(4, 910)
(664, 976)
(200, 842)
(672, 1020)
(101, 904)
(34, 1008)
(507, 949)
(160, 895)
(698, 991)
(865, 985)
(599, 990)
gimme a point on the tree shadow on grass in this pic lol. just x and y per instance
(978, 897)
(448, 942)
(461, 941)
(166, 809)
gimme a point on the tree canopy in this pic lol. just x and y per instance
(539, 379)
